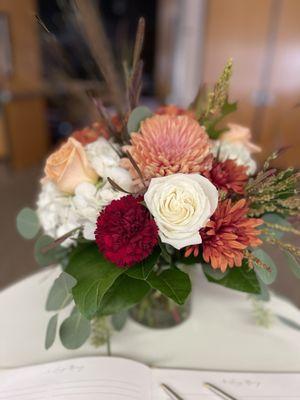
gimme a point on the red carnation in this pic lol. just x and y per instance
(126, 233)
(228, 176)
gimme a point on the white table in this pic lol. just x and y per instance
(220, 334)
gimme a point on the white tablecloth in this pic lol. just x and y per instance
(220, 334)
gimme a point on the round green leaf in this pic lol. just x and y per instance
(293, 263)
(52, 256)
(264, 275)
(60, 293)
(119, 319)
(136, 117)
(75, 330)
(276, 220)
(216, 274)
(51, 331)
(28, 223)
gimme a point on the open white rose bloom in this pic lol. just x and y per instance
(181, 204)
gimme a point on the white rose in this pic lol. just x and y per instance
(181, 205)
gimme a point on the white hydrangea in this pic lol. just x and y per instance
(102, 154)
(235, 151)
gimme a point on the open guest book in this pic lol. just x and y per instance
(110, 378)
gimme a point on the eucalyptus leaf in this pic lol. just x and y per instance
(94, 275)
(51, 331)
(60, 294)
(239, 278)
(216, 274)
(266, 276)
(142, 269)
(136, 117)
(275, 219)
(173, 283)
(123, 294)
(119, 319)
(52, 256)
(75, 330)
(28, 224)
(292, 263)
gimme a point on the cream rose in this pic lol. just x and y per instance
(181, 204)
(69, 166)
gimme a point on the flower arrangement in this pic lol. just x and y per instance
(127, 202)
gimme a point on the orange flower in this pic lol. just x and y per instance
(228, 176)
(168, 144)
(228, 233)
(171, 109)
(98, 129)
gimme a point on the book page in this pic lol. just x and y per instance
(91, 378)
(242, 386)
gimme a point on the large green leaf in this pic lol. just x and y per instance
(239, 278)
(50, 257)
(136, 117)
(28, 223)
(94, 275)
(51, 331)
(60, 294)
(124, 293)
(267, 276)
(292, 263)
(142, 269)
(75, 330)
(173, 283)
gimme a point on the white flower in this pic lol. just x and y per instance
(88, 203)
(181, 204)
(55, 211)
(234, 151)
(105, 160)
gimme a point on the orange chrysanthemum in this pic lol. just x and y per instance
(228, 176)
(171, 109)
(167, 144)
(227, 235)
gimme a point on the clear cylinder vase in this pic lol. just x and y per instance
(159, 312)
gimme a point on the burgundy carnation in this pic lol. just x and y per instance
(126, 233)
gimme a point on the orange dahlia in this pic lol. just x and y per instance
(168, 144)
(228, 176)
(171, 109)
(228, 233)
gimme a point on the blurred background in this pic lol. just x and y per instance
(47, 68)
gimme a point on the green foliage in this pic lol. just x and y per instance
(142, 269)
(136, 117)
(215, 274)
(123, 294)
(173, 283)
(51, 331)
(212, 122)
(275, 225)
(75, 330)
(50, 257)
(60, 294)
(266, 276)
(28, 224)
(292, 263)
(119, 319)
(239, 278)
(94, 275)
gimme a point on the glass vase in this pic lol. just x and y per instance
(159, 312)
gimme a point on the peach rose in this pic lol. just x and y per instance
(69, 166)
(240, 134)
